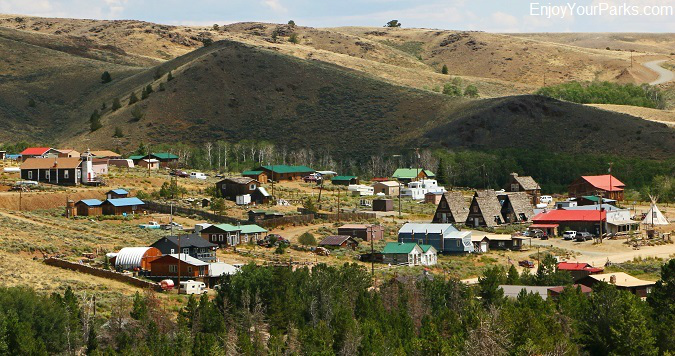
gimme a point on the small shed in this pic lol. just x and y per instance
(260, 176)
(121, 162)
(117, 193)
(339, 241)
(365, 232)
(344, 180)
(148, 163)
(89, 207)
(383, 205)
(132, 258)
(433, 197)
(390, 188)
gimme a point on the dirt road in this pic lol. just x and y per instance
(665, 75)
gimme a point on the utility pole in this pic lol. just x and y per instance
(273, 198)
(338, 210)
(399, 200)
(372, 253)
(320, 190)
(600, 199)
(20, 196)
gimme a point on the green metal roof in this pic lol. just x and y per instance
(135, 157)
(410, 173)
(595, 198)
(164, 155)
(282, 168)
(227, 227)
(251, 229)
(399, 247)
(343, 178)
(425, 248)
(251, 173)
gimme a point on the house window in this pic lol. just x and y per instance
(47, 175)
(30, 175)
(189, 269)
(220, 238)
(514, 187)
(253, 186)
(66, 174)
(443, 204)
(475, 209)
(79, 174)
(186, 251)
(173, 268)
(172, 251)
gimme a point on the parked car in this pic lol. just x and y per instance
(569, 235)
(174, 224)
(536, 233)
(192, 287)
(151, 225)
(583, 236)
(526, 264)
(179, 173)
(310, 179)
(197, 175)
(546, 199)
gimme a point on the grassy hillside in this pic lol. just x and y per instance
(234, 92)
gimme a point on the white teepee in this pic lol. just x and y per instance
(654, 215)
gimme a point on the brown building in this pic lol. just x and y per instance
(339, 241)
(231, 188)
(606, 185)
(383, 205)
(135, 258)
(363, 231)
(390, 188)
(148, 163)
(89, 207)
(128, 206)
(516, 207)
(279, 172)
(452, 208)
(67, 153)
(578, 270)
(168, 265)
(525, 184)
(260, 176)
(62, 171)
(484, 210)
(433, 198)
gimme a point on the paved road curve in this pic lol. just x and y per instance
(664, 74)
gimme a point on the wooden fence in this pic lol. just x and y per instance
(103, 273)
(166, 209)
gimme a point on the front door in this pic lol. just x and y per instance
(483, 246)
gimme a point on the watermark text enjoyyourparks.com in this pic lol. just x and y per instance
(562, 11)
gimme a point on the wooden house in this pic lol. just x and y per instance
(251, 233)
(99, 166)
(164, 159)
(231, 188)
(516, 207)
(389, 188)
(407, 175)
(117, 193)
(192, 245)
(281, 172)
(339, 241)
(444, 238)
(38, 152)
(578, 220)
(620, 280)
(578, 270)
(259, 176)
(168, 266)
(122, 206)
(3, 155)
(525, 184)
(397, 253)
(89, 207)
(452, 208)
(344, 180)
(256, 216)
(106, 154)
(505, 242)
(67, 153)
(136, 159)
(484, 210)
(365, 232)
(223, 235)
(62, 171)
(433, 198)
(606, 185)
(146, 163)
(121, 162)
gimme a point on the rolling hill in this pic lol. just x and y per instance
(344, 90)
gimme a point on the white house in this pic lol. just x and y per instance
(416, 190)
(430, 255)
(361, 190)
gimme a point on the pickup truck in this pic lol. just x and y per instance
(583, 236)
(526, 264)
(175, 225)
(151, 225)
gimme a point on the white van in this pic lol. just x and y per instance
(192, 287)
(197, 175)
(546, 199)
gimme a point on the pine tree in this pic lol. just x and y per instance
(118, 132)
(149, 89)
(293, 38)
(512, 276)
(133, 98)
(144, 94)
(444, 70)
(162, 87)
(103, 106)
(31, 103)
(95, 121)
(169, 77)
(116, 104)
(105, 77)
(441, 174)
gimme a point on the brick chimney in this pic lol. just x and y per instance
(612, 279)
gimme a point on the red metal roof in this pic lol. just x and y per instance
(603, 182)
(35, 151)
(578, 266)
(560, 215)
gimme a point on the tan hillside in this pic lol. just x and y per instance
(664, 116)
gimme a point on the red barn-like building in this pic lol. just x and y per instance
(606, 185)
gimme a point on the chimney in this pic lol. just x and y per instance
(514, 175)
(612, 279)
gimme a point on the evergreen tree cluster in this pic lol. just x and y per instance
(335, 310)
(606, 93)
